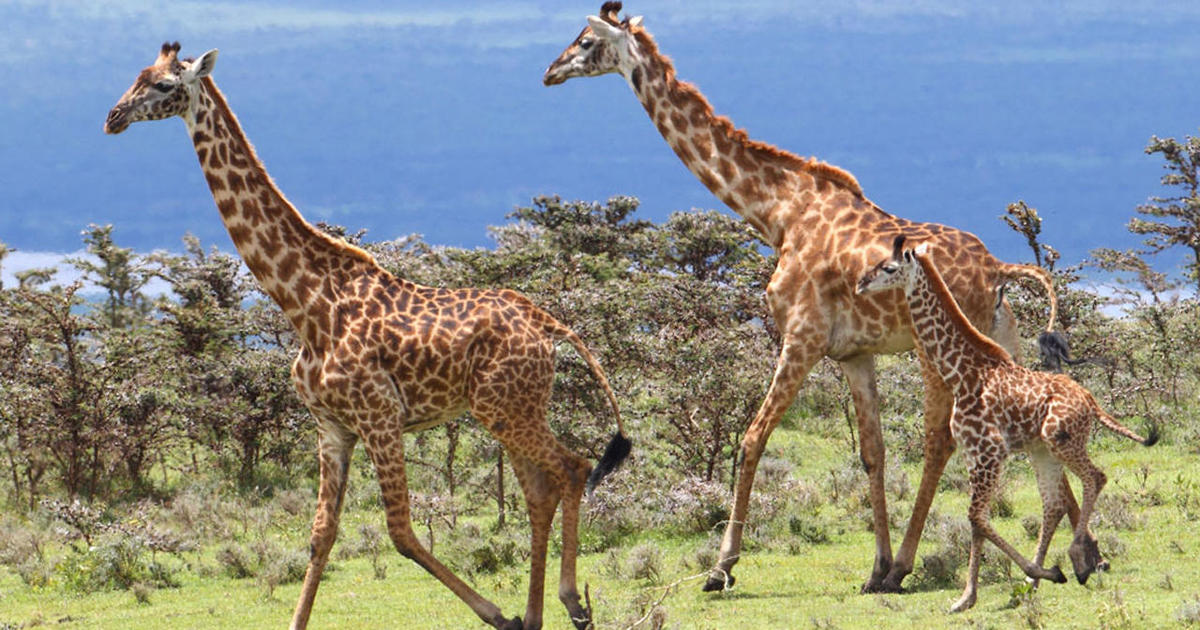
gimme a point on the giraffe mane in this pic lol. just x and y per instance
(222, 105)
(947, 301)
(812, 166)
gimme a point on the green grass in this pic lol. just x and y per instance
(1155, 572)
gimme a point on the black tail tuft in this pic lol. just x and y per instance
(617, 450)
(1055, 350)
(1152, 435)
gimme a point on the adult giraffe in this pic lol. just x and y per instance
(827, 233)
(380, 356)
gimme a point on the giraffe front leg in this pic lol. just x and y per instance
(795, 362)
(335, 446)
(938, 446)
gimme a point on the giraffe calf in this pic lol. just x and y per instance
(1001, 407)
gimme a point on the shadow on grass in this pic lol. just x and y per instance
(743, 595)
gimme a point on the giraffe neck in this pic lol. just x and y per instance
(750, 177)
(955, 347)
(296, 264)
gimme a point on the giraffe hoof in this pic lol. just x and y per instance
(513, 624)
(965, 603)
(876, 585)
(1085, 558)
(1057, 576)
(1083, 576)
(719, 583)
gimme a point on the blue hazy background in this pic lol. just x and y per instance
(430, 117)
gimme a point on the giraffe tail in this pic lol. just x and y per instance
(1152, 433)
(1033, 272)
(619, 446)
(1053, 345)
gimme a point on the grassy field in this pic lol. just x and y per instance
(1147, 529)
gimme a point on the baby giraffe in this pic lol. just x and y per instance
(1000, 407)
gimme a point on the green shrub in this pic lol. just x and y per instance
(472, 551)
(237, 561)
(115, 562)
(810, 527)
(644, 562)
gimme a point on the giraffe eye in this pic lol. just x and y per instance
(164, 86)
(892, 268)
(585, 43)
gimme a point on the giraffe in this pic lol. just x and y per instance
(826, 233)
(381, 356)
(1000, 407)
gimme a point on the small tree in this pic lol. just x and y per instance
(120, 272)
(1176, 219)
(1159, 338)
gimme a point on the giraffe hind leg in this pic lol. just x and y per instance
(388, 457)
(547, 471)
(1049, 473)
(1072, 452)
(1084, 551)
(938, 447)
(860, 374)
(568, 590)
(550, 475)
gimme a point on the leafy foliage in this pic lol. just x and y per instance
(1175, 220)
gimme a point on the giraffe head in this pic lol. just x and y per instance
(605, 45)
(166, 88)
(896, 272)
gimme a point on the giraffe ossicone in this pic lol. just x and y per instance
(1001, 407)
(381, 356)
(826, 232)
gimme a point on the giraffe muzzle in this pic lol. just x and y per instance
(117, 121)
(552, 78)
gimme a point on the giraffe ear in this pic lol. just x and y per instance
(921, 249)
(201, 67)
(603, 29)
(635, 20)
